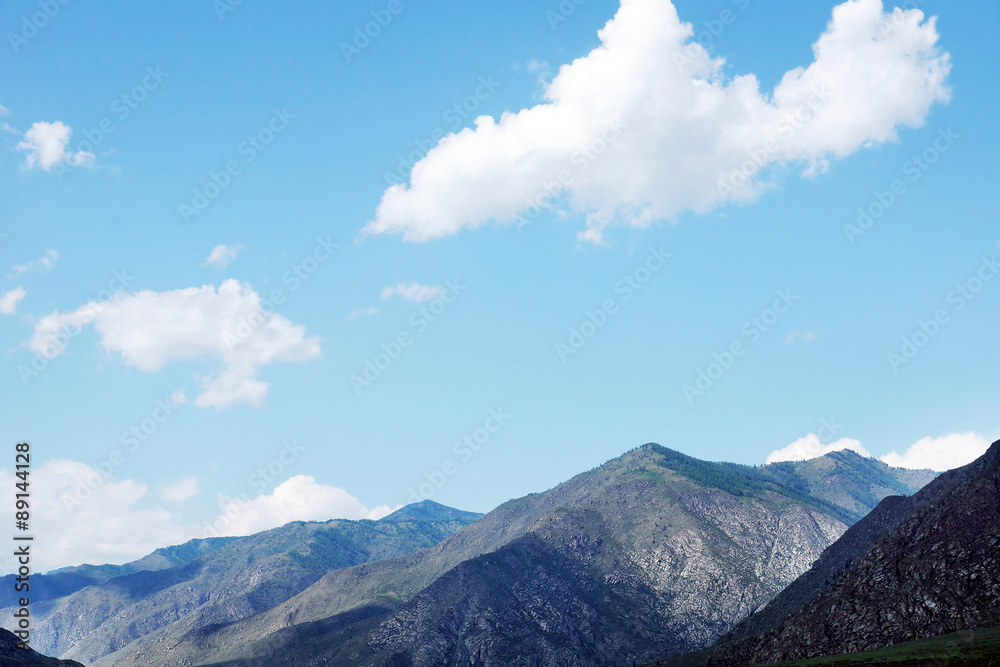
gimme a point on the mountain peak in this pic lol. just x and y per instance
(428, 510)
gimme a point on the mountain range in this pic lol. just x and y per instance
(90, 612)
(653, 554)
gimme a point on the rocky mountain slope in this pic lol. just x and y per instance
(13, 656)
(212, 582)
(652, 553)
(915, 568)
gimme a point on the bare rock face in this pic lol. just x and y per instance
(915, 568)
(11, 655)
(652, 554)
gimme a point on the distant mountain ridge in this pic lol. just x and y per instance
(11, 655)
(652, 552)
(216, 581)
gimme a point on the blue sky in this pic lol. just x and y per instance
(487, 307)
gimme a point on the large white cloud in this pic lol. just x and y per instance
(942, 453)
(46, 144)
(810, 447)
(300, 498)
(150, 329)
(79, 516)
(83, 515)
(647, 126)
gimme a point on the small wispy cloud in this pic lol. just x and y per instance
(412, 291)
(222, 255)
(362, 312)
(46, 144)
(9, 301)
(180, 491)
(43, 264)
(803, 336)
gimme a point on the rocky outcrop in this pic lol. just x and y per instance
(918, 568)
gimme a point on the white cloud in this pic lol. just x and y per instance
(9, 300)
(222, 255)
(43, 264)
(150, 329)
(182, 490)
(178, 397)
(300, 498)
(940, 454)
(804, 336)
(362, 312)
(3, 110)
(46, 146)
(810, 447)
(676, 130)
(80, 515)
(413, 291)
